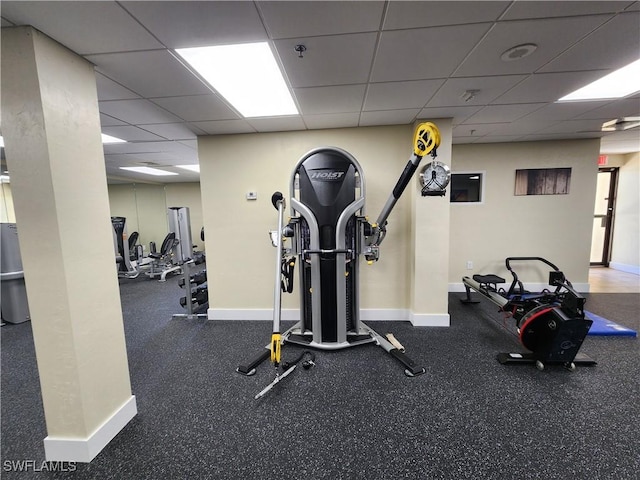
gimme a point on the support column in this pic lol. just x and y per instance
(430, 237)
(51, 130)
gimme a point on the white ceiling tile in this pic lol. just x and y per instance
(424, 53)
(549, 137)
(154, 73)
(523, 126)
(489, 88)
(557, 112)
(497, 139)
(221, 127)
(170, 148)
(624, 107)
(330, 60)
(120, 159)
(84, 27)
(502, 113)
(110, 90)
(420, 41)
(277, 124)
(131, 134)
(306, 19)
(458, 114)
(335, 99)
(572, 126)
(388, 117)
(197, 108)
(183, 158)
(476, 130)
(137, 112)
(400, 95)
(174, 131)
(404, 14)
(594, 51)
(107, 121)
(332, 120)
(132, 159)
(192, 23)
(537, 9)
(552, 36)
(459, 140)
(548, 87)
(190, 143)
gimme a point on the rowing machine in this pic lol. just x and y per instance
(551, 324)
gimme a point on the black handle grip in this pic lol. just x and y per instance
(404, 179)
(543, 260)
(276, 198)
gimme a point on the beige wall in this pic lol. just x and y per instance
(556, 227)
(625, 252)
(240, 248)
(7, 213)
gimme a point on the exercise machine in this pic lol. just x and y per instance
(551, 324)
(128, 254)
(329, 232)
(176, 248)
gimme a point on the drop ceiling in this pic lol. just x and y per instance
(366, 63)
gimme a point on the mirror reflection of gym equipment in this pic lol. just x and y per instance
(328, 232)
(175, 250)
(176, 257)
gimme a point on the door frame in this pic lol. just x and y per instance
(608, 216)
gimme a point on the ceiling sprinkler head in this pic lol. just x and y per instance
(300, 49)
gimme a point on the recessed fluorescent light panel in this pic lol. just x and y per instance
(617, 84)
(246, 75)
(148, 171)
(193, 168)
(105, 139)
(110, 139)
(621, 124)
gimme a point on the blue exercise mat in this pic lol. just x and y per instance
(602, 326)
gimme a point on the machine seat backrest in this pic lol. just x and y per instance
(133, 239)
(167, 245)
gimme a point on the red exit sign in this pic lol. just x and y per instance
(603, 160)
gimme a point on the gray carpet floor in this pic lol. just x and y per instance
(355, 415)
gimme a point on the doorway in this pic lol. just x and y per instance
(603, 216)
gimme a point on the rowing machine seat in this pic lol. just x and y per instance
(490, 279)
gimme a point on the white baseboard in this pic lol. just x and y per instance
(635, 269)
(85, 449)
(430, 319)
(532, 287)
(384, 314)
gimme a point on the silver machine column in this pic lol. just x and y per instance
(180, 224)
(15, 307)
